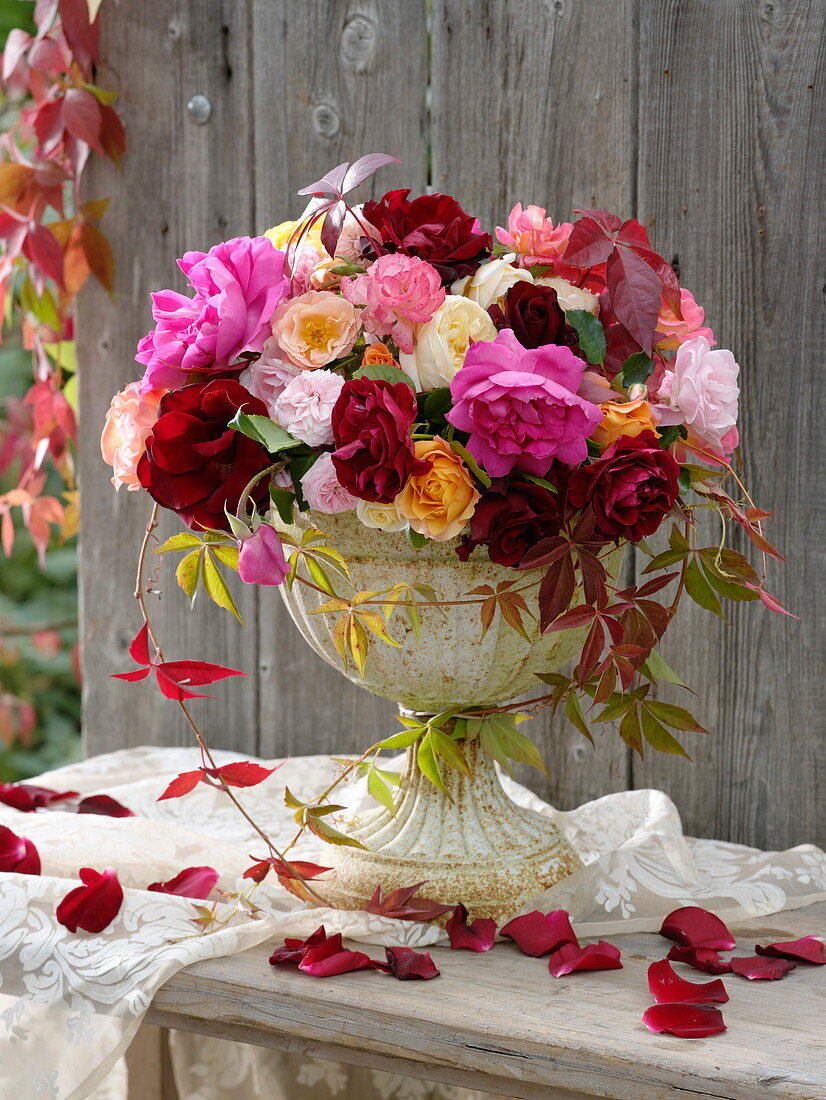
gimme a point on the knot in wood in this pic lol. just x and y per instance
(358, 42)
(326, 120)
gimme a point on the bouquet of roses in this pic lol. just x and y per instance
(540, 398)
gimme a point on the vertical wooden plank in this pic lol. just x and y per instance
(150, 1066)
(731, 160)
(536, 103)
(332, 81)
(184, 186)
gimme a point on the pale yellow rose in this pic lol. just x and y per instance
(280, 234)
(439, 502)
(129, 420)
(491, 282)
(570, 296)
(382, 517)
(623, 418)
(315, 328)
(440, 345)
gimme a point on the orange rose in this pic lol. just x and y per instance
(623, 418)
(439, 502)
(129, 421)
(378, 353)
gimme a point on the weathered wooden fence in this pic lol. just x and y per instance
(703, 118)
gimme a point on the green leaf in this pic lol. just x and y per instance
(676, 717)
(656, 669)
(437, 403)
(636, 369)
(658, 736)
(184, 541)
(700, 590)
(677, 540)
(318, 575)
(449, 751)
(684, 479)
(591, 334)
(385, 372)
(614, 709)
(492, 745)
(379, 790)
(543, 482)
(417, 541)
(671, 434)
(227, 555)
(402, 740)
(429, 764)
(470, 462)
(216, 587)
(729, 589)
(666, 558)
(188, 573)
(516, 744)
(325, 831)
(291, 801)
(284, 502)
(264, 431)
(630, 731)
(573, 712)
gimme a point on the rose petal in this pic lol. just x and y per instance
(406, 964)
(684, 1021)
(478, 936)
(103, 804)
(192, 882)
(322, 962)
(761, 967)
(94, 905)
(808, 949)
(540, 933)
(669, 988)
(593, 956)
(26, 797)
(696, 927)
(701, 958)
(293, 951)
(18, 854)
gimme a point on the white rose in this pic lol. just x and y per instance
(304, 408)
(491, 282)
(384, 517)
(440, 345)
(570, 296)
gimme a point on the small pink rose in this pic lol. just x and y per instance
(397, 293)
(322, 489)
(261, 559)
(305, 406)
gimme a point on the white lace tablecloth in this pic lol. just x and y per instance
(71, 1003)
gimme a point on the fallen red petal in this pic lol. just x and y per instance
(192, 882)
(17, 853)
(293, 950)
(809, 949)
(593, 956)
(538, 933)
(103, 804)
(26, 797)
(761, 967)
(329, 959)
(406, 964)
(684, 1021)
(705, 959)
(692, 926)
(478, 936)
(94, 905)
(666, 987)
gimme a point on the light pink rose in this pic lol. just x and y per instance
(305, 407)
(701, 387)
(315, 328)
(534, 236)
(261, 559)
(671, 331)
(322, 489)
(397, 292)
(129, 421)
(268, 377)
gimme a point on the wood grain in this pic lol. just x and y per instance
(537, 1036)
(149, 1066)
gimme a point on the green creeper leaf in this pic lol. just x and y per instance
(291, 801)
(658, 736)
(379, 790)
(470, 462)
(449, 751)
(636, 369)
(728, 588)
(429, 764)
(700, 590)
(385, 372)
(402, 740)
(676, 717)
(227, 555)
(573, 712)
(188, 573)
(656, 669)
(376, 623)
(184, 541)
(666, 558)
(517, 746)
(591, 335)
(216, 586)
(264, 431)
(318, 575)
(677, 540)
(492, 745)
(630, 731)
(325, 831)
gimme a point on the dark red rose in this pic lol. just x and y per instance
(510, 518)
(535, 315)
(433, 227)
(631, 487)
(371, 427)
(194, 464)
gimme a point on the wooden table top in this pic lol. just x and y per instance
(499, 1022)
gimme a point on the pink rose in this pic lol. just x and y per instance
(520, 407)
(261, 559)
(237, 286)
(305, 407)
(397, 292)
(315, 328)
(534, 236)
(672, 332)
(701, 387)
(268, 377)
(129, 421)
(322, 489)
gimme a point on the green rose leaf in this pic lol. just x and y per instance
(591, 335)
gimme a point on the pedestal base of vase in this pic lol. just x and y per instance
(473, 845)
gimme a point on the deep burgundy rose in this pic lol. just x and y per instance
(510, 518)
(371, 426)
(433, 227)
(193, 463)
(631, 487)
(535, 315)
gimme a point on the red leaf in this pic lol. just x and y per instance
(99, 255)
(403, 904)
(192, 882)
(611, 223)
(478, 936)
(692, 926)
(241, 773)
(41, 247)
(173, 690)
(139, 649)
(112, 136)
(556, 591)
(808, 949)
(573, 619)
(684, 1021)
(103, 804)
(81, 116)
(294, 870)
(17, 42)
(82, 37)
(588, 244)
(761, 967)
(668, 988)
(540, 933)
(26, 797)
(94, 905)
(701, 958)
(406, 964)
(635, 295)
(196, 672)
(48, 125)
(18, 854)
(182, 784)
(594, 956)
(329, 958)
(133, 676)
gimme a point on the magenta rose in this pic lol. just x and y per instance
(371, 426)
(510, 518)
(237, 286)
(520, 407)
(630, 487)
(433, 227)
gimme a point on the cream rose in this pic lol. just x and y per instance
(315, 328)
(440, 345)
(570, 296)
(491, 282)
(382, 517)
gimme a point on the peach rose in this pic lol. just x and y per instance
(315, 328)
(439, 502)
(623, 418)
(378, 353)
(129, 421)
(671, 331)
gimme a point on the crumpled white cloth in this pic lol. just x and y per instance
(70, 1003)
